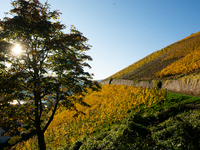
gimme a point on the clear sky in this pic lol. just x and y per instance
(124, 31)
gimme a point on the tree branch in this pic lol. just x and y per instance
(52, 115)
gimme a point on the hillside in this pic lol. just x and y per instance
(178, 59)
(125, 118)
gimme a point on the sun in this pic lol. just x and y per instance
(17, 49)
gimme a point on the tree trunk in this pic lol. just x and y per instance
(41, 141)
(40, 135)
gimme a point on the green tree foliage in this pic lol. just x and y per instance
(50, 68)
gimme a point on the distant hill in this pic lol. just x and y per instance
(98, 80)
(176, 60)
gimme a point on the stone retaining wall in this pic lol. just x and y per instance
(129, 83)
(187, 86)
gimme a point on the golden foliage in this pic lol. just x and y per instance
(174, 51)
(138, 64)
(184, 46)
(185, 65)
(108, 106)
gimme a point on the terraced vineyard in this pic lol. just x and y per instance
(179, 58)
(125, 117)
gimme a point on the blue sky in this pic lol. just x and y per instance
(124, 31)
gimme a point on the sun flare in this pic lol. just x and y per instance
(17, 50)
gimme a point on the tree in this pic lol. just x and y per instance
(50, 68)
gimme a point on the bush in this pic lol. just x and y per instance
(15, 139)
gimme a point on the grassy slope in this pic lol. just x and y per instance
(124, 117)
(147, 67)
(173, 125)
